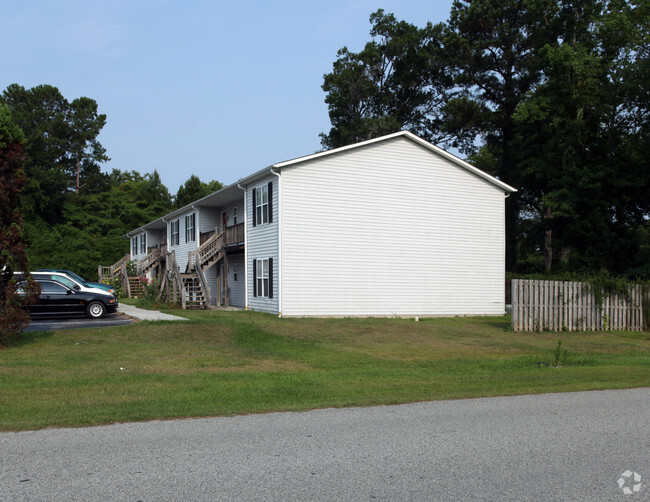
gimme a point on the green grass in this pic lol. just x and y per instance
(225, 363)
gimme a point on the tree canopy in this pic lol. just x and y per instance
(72, 224)
(551, 97)
(194, 189)
(60, 141)
(395, 82)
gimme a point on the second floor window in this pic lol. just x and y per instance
(262, 204)
(135, 245)
(143, 243)
(175, 241)
(190, 225)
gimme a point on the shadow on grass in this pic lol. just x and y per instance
(502, 323)
(29, 337)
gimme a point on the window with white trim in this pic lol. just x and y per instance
(262, 205)
(135, 245)
(175, 233)
(263, 278)
(190, 228)
(234, 216)
(143, 244)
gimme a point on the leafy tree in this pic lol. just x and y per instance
(194, 189)
(13, 313)
(458, 83)
(94, 223)
(396, 82)
(551, 97)
(583, 175)
(495, 49)
(69, 223)
(61, 141)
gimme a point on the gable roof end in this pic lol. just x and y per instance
(416, 139)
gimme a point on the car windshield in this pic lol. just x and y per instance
(83, 281)
(69, 273)
(63, 280)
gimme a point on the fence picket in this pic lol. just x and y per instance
(558, 305)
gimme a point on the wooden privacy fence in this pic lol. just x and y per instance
(572, 306)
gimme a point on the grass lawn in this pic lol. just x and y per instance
(225, 363)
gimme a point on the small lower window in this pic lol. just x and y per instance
(263, 278)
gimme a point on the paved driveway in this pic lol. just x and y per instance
(76, 322)
(573, 446)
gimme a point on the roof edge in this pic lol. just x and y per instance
(407, 134)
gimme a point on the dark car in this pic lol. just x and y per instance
(57, 299)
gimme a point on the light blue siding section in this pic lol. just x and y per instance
(262, 244)
(153, 238)
(183, 248)
(209, 219)
(237, 286)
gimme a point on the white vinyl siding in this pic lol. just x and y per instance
(390, 229)
(209, 219)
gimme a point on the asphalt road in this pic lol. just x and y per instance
(572, 446)
(81, 321)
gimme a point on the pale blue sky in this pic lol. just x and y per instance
(212, 88)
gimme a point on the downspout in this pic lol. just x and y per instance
(196, 226)
(245, 244)
(279, 281)
(166, 232)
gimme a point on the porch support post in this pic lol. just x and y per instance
(225, 273)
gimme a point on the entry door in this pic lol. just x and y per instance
(224, 220)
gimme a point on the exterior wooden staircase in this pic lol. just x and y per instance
(152, 260)
(117, 271)
(136, 287)
(197, 291)
(195, 297)
(190, 288)
(184, 288)
(209, 253)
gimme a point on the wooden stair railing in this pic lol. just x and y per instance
(194, 292)
(115, 271)
(210, 253)
(171, 285)
(150, 261)
(136, 287)
(208, 250)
